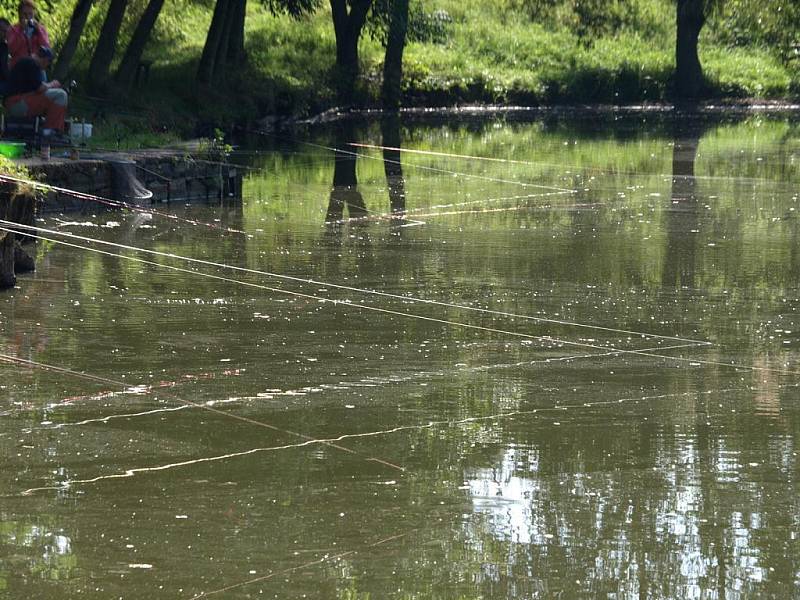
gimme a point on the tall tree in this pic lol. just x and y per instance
(689, 79)
(235, 48)
(211, 49)
(225, 41)
(106, 45)
(77, 22)
(393, 60)
(126, 73)
(349, 17)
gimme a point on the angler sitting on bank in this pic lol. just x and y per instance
(30, 96)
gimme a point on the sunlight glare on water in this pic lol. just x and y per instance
(514, 360)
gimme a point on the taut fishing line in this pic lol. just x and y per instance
(324, 559)
(142, 390)
(116, 203)
(411, 214)
(559, 165)
(333, 441)
(425, 168)
(307, 440)
(322, 299)
(401, 297)
(691, 361)
(446, 171)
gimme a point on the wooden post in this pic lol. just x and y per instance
(7, 276)
(19, 207)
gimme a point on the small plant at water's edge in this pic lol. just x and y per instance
(215, 149)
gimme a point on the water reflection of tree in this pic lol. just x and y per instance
(649, 513)
(680, 257)
(344, 192)
(392, 163)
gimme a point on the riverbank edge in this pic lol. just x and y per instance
(158, 168)
(131, 180)
(711, 108)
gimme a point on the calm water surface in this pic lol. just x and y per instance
(521, 360)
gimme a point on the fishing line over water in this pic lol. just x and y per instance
(542, 338)
(324, 559)
(142, 390)
(334, 441)
(603, 436)
(401, 297)
(411, 214)
(202, 406)
(558, 165)
(437, 170)
(546, 339)
(117, 204)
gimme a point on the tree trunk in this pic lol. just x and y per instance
(126, 74)
(236, 53)
(205, 70)
(689, 80)
(347, 27)
(106, 44)
(221, 62)
(76, 24)
(393, 61)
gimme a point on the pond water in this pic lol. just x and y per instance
(522, 359)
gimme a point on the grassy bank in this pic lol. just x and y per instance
(500, 51)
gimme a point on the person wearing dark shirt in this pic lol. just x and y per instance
(30, 96)
(26, 76)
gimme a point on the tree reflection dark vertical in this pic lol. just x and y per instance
(392, 163)
(682, 218)
(344, 192)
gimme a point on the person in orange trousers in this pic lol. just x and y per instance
(30, 96)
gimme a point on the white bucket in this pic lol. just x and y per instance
(80, 131)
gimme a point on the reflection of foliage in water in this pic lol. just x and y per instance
(41, 550)
(636, 164)
(657, 474)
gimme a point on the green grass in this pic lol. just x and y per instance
(499, 51)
